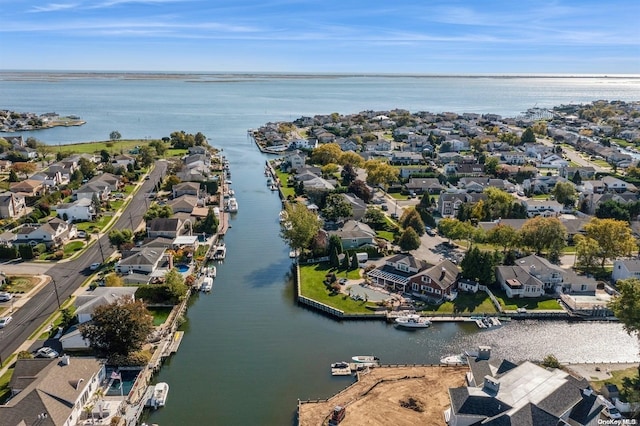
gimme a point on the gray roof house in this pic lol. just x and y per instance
(625, 268)
(12, 205)
(145, 260)
(502, 393)
(355, 234)
(437, 283)
(529, 277)
(164, 227)
(183, 204)
(397, 271)
(87, 302)
(358, 207)
(186, 188)
(49, 392)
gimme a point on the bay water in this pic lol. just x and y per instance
(249, 351)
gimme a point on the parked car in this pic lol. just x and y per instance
(46, 352)
(81, 234)
(5, 297)
(384, 207)
(4, 321)
(94, 266)
(521, 310)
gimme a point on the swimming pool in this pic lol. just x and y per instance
(182, 268)
(124, 386)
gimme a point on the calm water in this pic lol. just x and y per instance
(249, 352)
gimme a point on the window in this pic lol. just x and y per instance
(402, 267)
(414, 286)
(583, 287)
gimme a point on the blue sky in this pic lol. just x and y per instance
(394, 36)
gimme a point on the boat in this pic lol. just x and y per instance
(454, 359)
(481, 323)
(232, 205)
(340, 369)
(283, 215)
(207, 284)
(231, 193)
(274, 188)
(159, 396)
(366, 359)
(220, 252)
(211, 271)
(413, 321)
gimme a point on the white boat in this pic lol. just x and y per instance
(212, 271)
(413, 321)
(340, 369)
(454, 359)
(366, 359)
(232, 205)
(207, 284)
(159, 397)
(220, 252)
(283, 215)
(231, 193)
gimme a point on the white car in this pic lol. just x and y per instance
(4, 296)
(4, 321)
(46, 352)
(94, 266)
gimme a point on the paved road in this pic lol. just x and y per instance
(68, 276)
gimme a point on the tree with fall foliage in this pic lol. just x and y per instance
(614, 238)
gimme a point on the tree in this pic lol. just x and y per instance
(300, 227)
(411, 218)
(13, 176)
(335, 242)
(626, 306)
(587, 252)
(351, 158)
(349, 174)
(375, 218)
(528, 136)
(146, 156)
(478, 266)
(612, 209)
(354, 262)
(457, 230)
(409, 240)
(118, 328)
(565, 193)
(170, 181)
(614, 238)
(159, 146)
(550, 361)
(503, 235)
(87, 167)
(544, 233)
(326, 153)
(115, 135)
(577, 178)
(334, 259)
(490, 165)
(24, 167)
(329, 169)
(379, 173)
(105, 157)
(208, 225)
(360, 190)
(336, 207)
(113, 280)
(119, 237)
(175, 284)
(156, 210)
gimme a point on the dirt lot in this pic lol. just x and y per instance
(376, 398)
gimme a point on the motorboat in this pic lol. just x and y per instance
(207, 284)
(232, 205)
(454, 359)
(159, 396)
(413, 321)
(365, 359)
(220, 252)
(211, 271)
(283, 215)
(340, 369)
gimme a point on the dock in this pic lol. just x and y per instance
(175, 342)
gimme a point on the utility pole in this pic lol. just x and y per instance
(55, 288)
(100, 246)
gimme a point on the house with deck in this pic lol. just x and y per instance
(396, 272)
(354, 234)
(436, 284)
(81, 210)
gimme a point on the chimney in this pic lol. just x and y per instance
(443, 272)
(587, 391)
(490, 384)
(65, 360)
(170, 260)
(484, 352)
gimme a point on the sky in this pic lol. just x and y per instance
(328, 36)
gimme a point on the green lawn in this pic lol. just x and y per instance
(387, 235)
(398, 196)
(92, 226)
(478, 303)
(173, 152)
(72, 247)
(5, 392)
(530, 303)
(601, 163)
(114, 147)
(312, 286)
(20, 284)
(620, 378)
(286, 189)
(160, 315)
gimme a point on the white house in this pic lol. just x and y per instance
(625, 268)
(145, 260)
(545, 208)
(87, 303)
(54, 232)
(79, 210)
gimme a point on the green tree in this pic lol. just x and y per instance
(300, 227)
(326, 153)
(336, 207)
(351, 158)
(113, 280)
(87, 167)
(409, 240)
(176, 286)
(105, 157)
(118, 237)
(614, 237)
(335, 242)
(577, 178)
(118, 328)
(375, 218)
(379, 173)
(490, 165)
(544, 233)
(411, 218)
(528, 136)
(115, 135)
(208, 225)
(146, 156)
(550, 361)
(478, 266)
(612, 209)
(565, 193)
(626, 307)
(360, 190)
(13, 176)
(503, 235)
(329, 169)
(587, 252)
(159, 146)
(156, 210)
(349, 174)
(354, 262)
(170, 181)
(334, 259)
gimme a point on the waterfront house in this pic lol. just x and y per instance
(51, 391)
(529, 277)
(164, 227)
(436, 284)
(625, 268)
(186, 188)
(354, 234)
(192, 175)
(142, 260)
(499, 392)
(52, 233)
(294, 161)
(28, 187)
(87, 302)
(198, 161)
(396, 272)
(79, 210)
(183, 204)
(467, 285)
(12, 206)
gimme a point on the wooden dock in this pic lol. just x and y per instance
(175, 342)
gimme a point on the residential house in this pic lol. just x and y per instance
(436, 284)
(294, 161)
(77, 211)
(625, 268)
(49, 178)
(28, 187)
(573, 283)
(541, 184)
(449, 203)
(91, 190)
(406, 157)
(12, 206)
(51, 391)
(531, 276)
(469, 286)
(186, 188)
(164, 227)
(378, 145)
(123, 160)
(545, 208)
(144, 261)
(310, 143)
(198, 149)
(354, 234)
(594, 187)
(499, 392)
(586, 173)
(514, 157)
(358, 207)
(200, 162)
(55, 232)
(183, 204)
(192, 175)
(87, 302)
(464, 169)
(613, 184)
(312, 182)
(421, 185)
(349, 145)
(396, 272)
